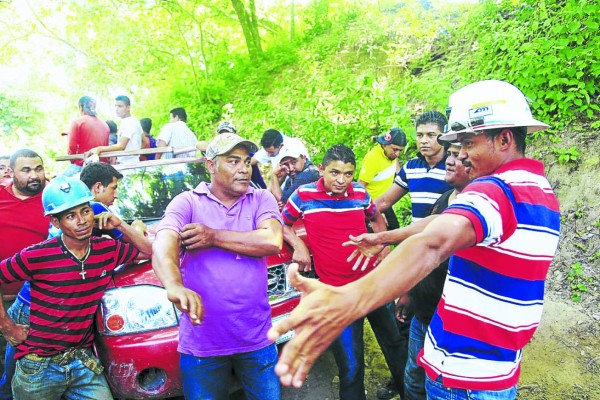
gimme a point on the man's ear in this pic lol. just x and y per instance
(506, 137)
(96, 188)
(54, 222)
(321, 169)
(211, 166)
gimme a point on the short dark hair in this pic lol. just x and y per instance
(179, 112)
(112, 125)
(434, 117)
(99, 172)
(271, 137)
(519, 134)
(23, 153)
(124, 99)
(339, 152)
(146, 124)
(5, 157)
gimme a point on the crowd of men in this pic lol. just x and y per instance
(451, 305)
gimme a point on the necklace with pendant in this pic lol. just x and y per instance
(81, 260)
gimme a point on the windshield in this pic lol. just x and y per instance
(145, 192)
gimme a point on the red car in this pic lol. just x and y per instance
(137, 325)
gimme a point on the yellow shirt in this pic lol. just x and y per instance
(377, 171)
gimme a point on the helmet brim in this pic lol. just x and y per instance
(66, 207)
(532, 125)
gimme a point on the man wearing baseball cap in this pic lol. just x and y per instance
(379, 167)
(501, 232)
(294, 169)
(219, 234)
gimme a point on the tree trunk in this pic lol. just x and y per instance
(249, 25)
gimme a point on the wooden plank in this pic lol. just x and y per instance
(155, 150)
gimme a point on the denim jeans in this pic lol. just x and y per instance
(19, 313)
(348, 350)
(48, 380)
(414, 375)
(437, 391)
(207, 378)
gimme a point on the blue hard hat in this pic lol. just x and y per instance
(64, 192)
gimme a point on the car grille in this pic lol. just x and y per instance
(277, 281)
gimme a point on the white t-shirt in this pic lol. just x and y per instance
(263, 157)
(131, 129)
(177, 134)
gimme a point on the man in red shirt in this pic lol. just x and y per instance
(332, 208)
(21, 212)
(23, 224)
(68, 275)
(86, 132)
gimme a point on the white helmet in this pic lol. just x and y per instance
(488, 105)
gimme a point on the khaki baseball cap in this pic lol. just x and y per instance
(225, 142)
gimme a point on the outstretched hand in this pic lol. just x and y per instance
(367, 247)
(324, 311)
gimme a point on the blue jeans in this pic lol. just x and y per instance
(414, 375)
(349, 351)
(19, 313)
(207, 378)
(437, 391)
(48, 380)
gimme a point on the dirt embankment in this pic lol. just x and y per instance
(563, 359)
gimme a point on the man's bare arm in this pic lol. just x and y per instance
(108, 220)
(325, 311)
(275, 182)
(301, 253)
(266, 240)
(389, 198)
(165, 262)
(121, 145)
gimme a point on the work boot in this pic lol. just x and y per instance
(389, 391)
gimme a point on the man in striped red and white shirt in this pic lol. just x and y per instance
(502, 233)
(68, 276)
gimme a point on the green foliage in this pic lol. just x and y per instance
(578, 281)
(548, 49)
(355, 70)
(566, 156)
(579, 211)
(17, 115)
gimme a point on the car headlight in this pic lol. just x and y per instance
(137, 309)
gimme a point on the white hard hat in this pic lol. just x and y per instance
(488, 104)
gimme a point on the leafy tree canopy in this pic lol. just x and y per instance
(341, 72)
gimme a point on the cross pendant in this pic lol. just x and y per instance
(82, 273)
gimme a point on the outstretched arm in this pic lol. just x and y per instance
(389, 198)
(325, 311)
